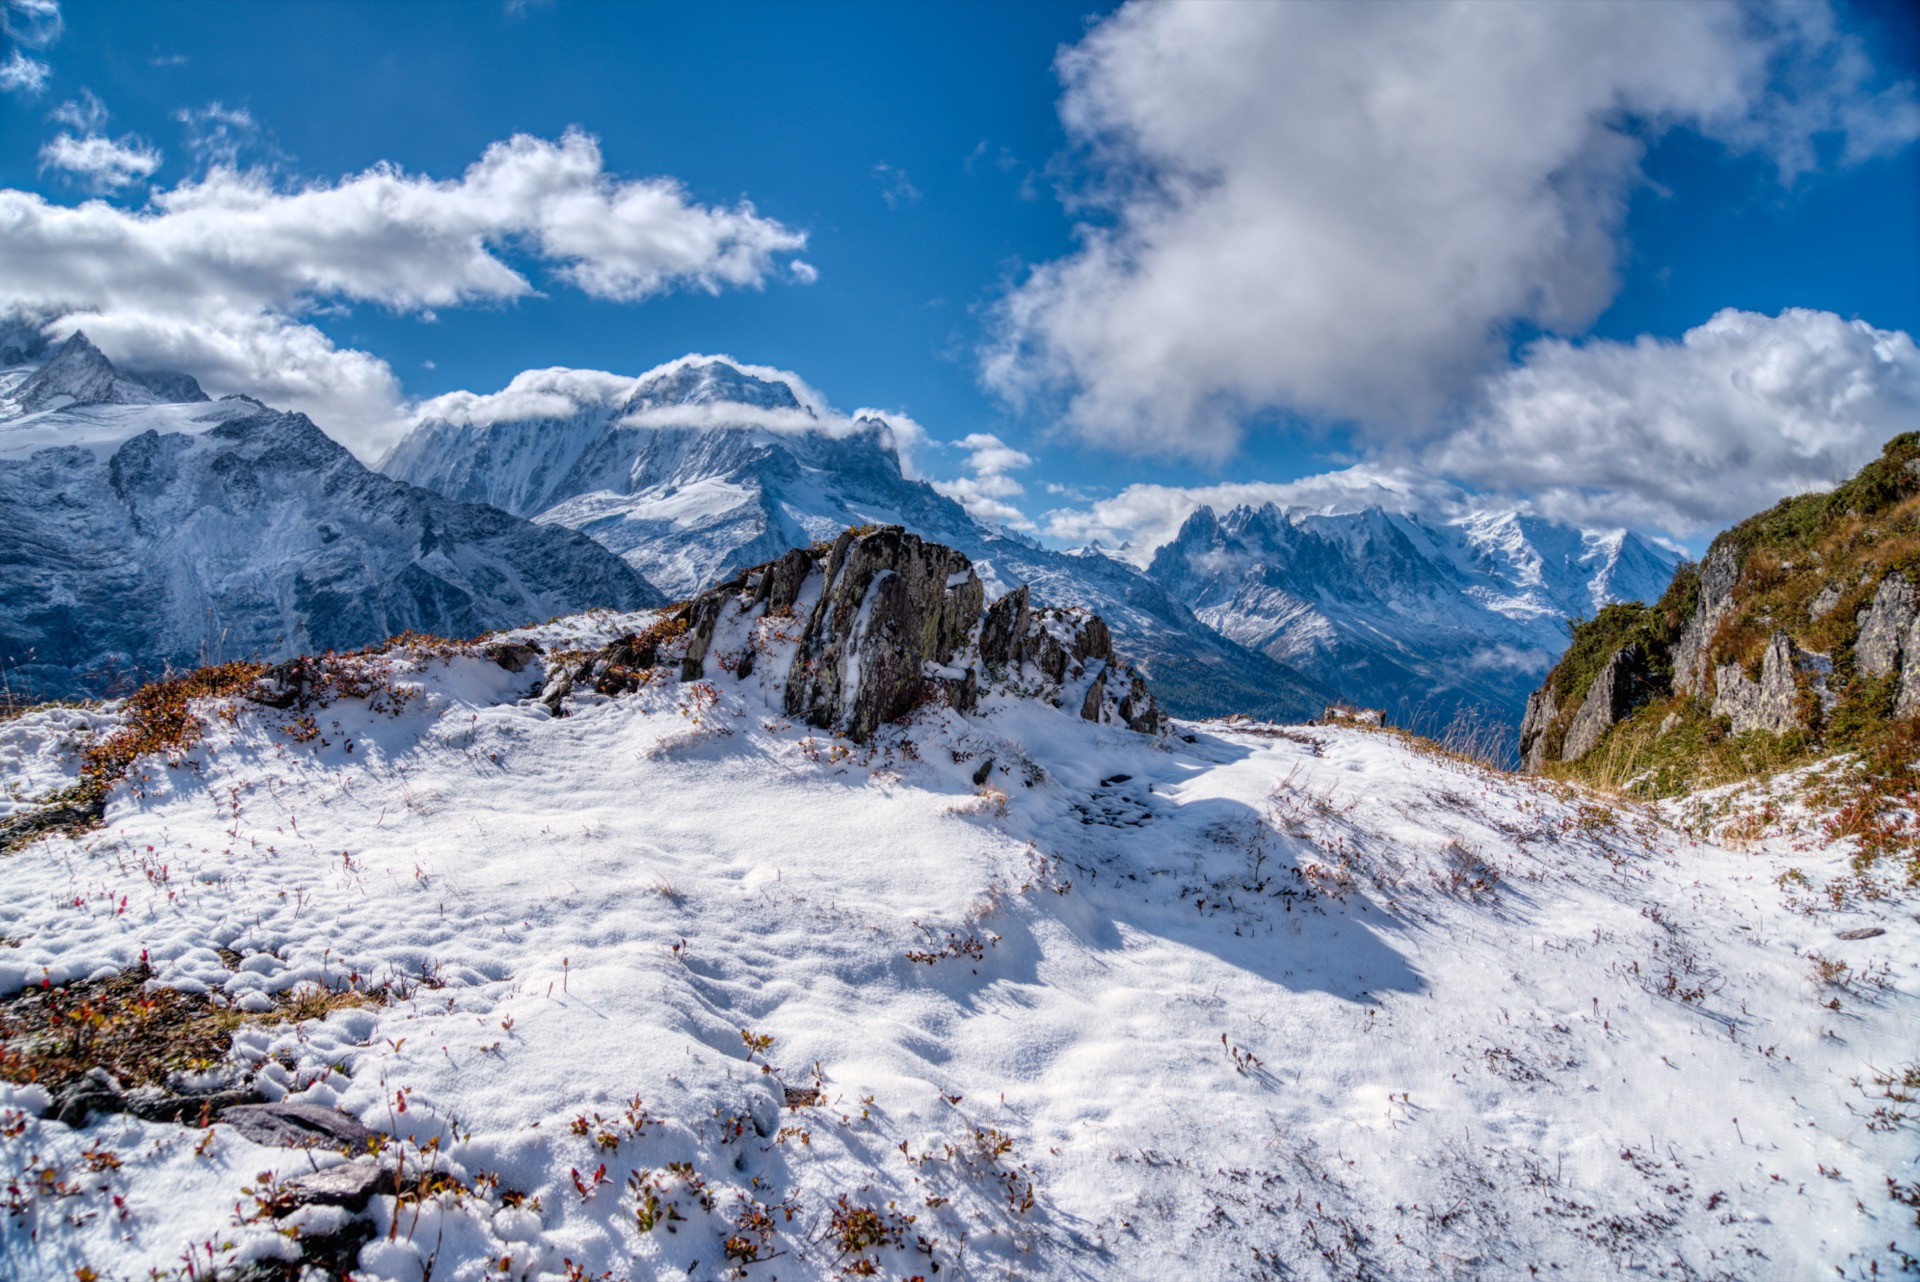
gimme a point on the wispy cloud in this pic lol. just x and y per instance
(23, 75)
(895, 187)
(89, 157)
(27, 24)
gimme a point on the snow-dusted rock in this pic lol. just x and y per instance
(859, 634)
(891, 604)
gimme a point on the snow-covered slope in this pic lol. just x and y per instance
(142, 526)
(674, 983)
(704, 466)
(1420, 617)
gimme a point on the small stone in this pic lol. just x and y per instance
(1860, 932)
(350, 1185)
(299, 1126)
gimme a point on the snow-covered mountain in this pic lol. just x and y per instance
(1419, 616)
(143, 526)
(705, 465)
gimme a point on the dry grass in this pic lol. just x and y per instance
(55, 1035)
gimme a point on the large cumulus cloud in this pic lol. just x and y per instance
(1342, 210)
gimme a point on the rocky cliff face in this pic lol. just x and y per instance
(1801, 626)
(860, 632)
(139, 533)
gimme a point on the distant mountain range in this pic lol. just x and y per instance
(703, 466)
(1417, 616)
(143, 526)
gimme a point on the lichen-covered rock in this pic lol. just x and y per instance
(1621, 687)
(1718, 574)
(1541, 710)
(1772, 702)
(892, 603)
(1884, 626)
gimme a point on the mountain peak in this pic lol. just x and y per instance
(713, 381)
(81, 374)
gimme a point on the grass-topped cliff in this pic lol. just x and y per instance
(1795, 639)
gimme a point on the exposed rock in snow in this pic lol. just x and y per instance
(890, 621)
(887, 608)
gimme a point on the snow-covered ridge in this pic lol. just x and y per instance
(1242, 1000)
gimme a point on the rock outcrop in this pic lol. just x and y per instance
(1541, 711)
(1772, 702)
(892, 605)
(1884, 627)
(875, 625)
(1621, 687)
(1718, 574)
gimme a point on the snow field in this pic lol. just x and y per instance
(1242, 1001)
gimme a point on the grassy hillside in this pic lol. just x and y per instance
(1809, 567)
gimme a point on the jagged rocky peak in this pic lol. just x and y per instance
(80, 374)
(857, 633)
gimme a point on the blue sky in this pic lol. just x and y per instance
(922, 153)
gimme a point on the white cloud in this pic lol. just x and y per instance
(986, 491)
(217, 134)
(101, 164)
(33, 23)
(222, 272)
(1688, 436)
(23, 75)
(1681, 438)
(1340, 209)
(895, 187)
(1146, 516)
